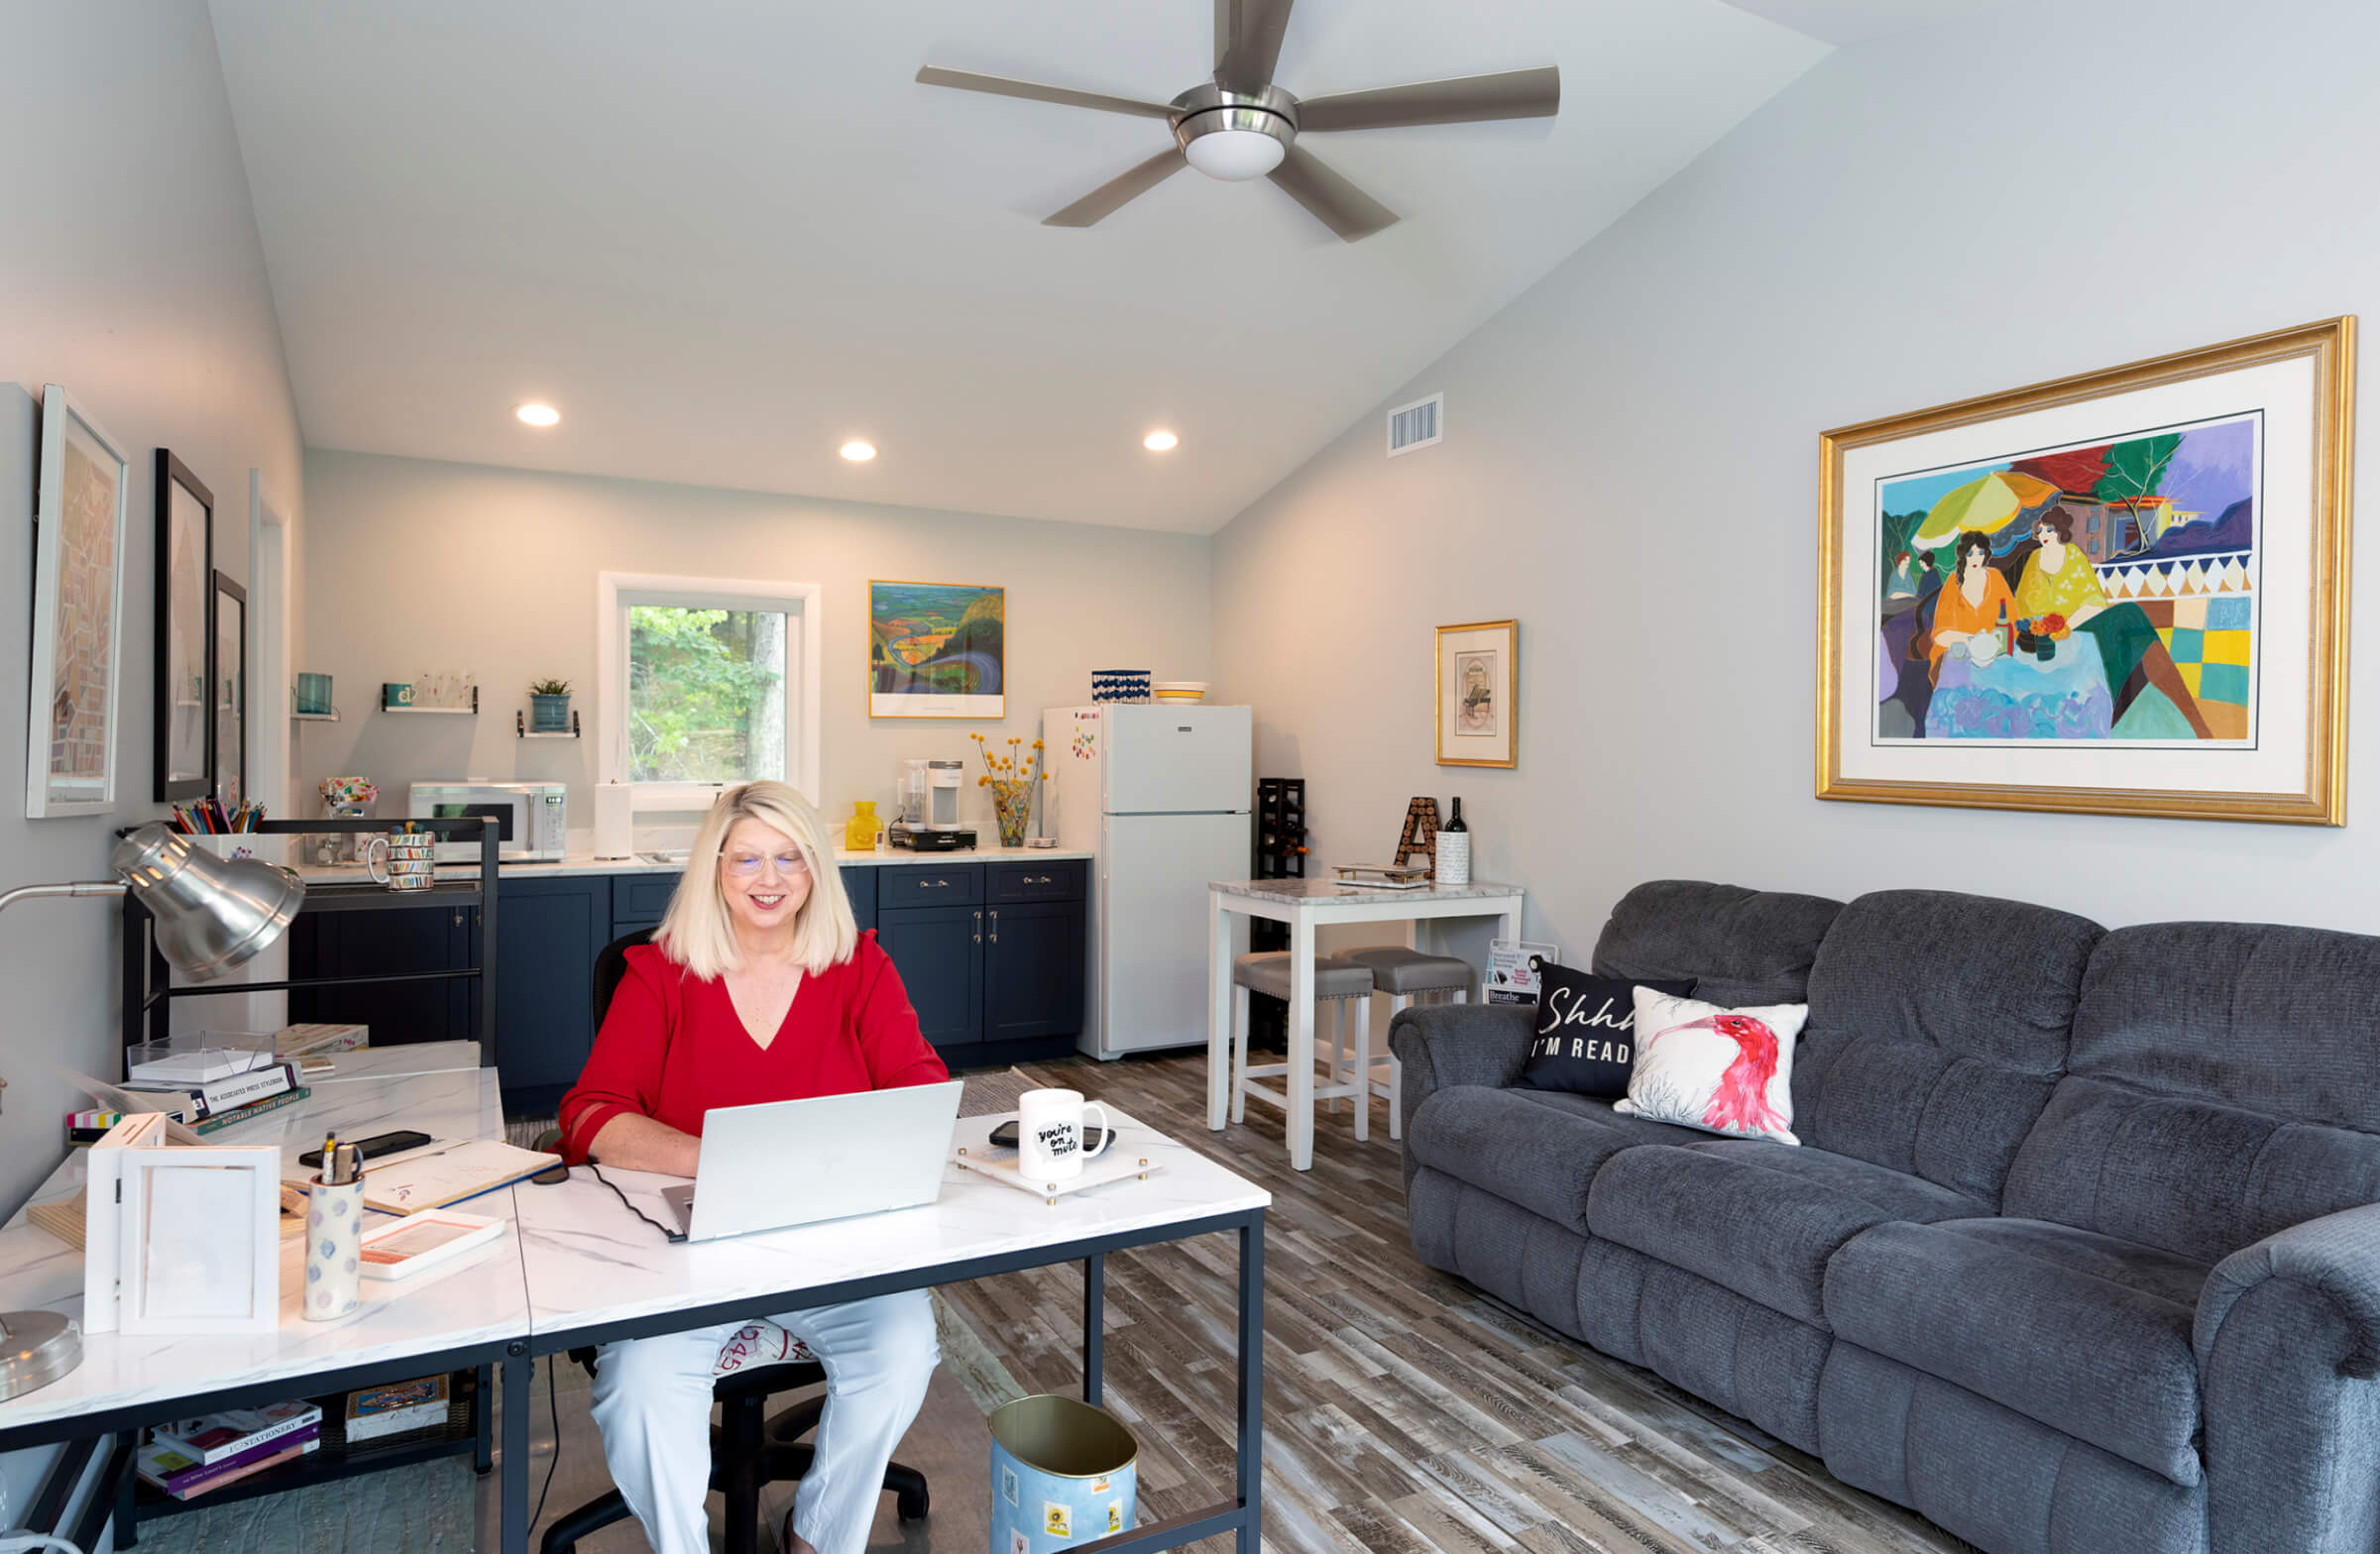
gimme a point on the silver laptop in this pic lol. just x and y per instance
(796, 1162)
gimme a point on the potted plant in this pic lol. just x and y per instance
(549, 706)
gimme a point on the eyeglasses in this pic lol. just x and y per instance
(744, 865)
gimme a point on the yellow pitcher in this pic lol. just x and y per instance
(859, 832)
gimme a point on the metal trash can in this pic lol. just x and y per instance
(1063, 1475)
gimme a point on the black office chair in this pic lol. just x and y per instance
(748, 1449)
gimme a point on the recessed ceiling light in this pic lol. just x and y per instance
(539, 414)
(858, 452)
(1159, 442)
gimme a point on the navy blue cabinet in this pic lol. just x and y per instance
(860, 883)
(548, 933)
(1033, 970)
(939, 952)
(394, 941)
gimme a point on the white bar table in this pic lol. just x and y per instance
(595, 1273)
(1306, 905)
(447, 1319)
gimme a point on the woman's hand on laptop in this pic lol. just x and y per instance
(632, 1143)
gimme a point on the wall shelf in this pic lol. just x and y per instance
(473, 711)
(330, 716)
(521, 729)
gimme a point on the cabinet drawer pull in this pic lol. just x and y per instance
(995, 928)
(942, 884)
(978, 928)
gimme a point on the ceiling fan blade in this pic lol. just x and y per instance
(1335, 202)
(1248, 35)
(1466, 99)
(1104, 201)
(1002, 86)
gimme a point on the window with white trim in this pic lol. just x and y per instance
(706, 682)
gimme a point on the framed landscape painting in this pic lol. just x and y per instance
(78, 613)
(937, 650)
(2119, 594)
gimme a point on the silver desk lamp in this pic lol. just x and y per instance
(212, 916)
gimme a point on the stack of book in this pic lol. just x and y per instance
(189, 1457)
(210, 1099)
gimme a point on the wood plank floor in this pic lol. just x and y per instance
(1404, 1411)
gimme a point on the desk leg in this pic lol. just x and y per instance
(128, 1504)
(519, 1374)
(1224, 930)
(1301, 1089)
(1252, 1385)
(483, 1421)
(1094, 1324)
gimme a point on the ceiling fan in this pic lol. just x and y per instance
(1241, 125)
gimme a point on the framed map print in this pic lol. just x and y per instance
(2119, 594)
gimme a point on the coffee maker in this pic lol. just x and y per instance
(929, 808)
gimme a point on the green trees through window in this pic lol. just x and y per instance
(706, 694)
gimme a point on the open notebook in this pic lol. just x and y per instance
(441, 1174)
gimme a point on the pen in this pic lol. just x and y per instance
(330, 1149)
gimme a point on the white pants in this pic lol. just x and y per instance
(652, 1402)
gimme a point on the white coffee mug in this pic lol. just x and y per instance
(1049, 1134)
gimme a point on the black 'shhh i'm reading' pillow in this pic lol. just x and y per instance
(1586, 1041)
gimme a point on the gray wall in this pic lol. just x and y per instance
(1632, 448)
(508, 560)
(132, 275)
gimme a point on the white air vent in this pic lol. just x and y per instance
(1417, 426)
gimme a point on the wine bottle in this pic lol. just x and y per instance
(1456, 824)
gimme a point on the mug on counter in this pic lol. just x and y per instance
(1049, 1134)
(411, 861)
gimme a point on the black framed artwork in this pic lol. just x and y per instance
(185, 564)
(227, 683)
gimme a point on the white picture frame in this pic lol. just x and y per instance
(199, 1239)
(74, 699)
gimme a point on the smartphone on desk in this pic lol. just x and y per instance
(373, 1147)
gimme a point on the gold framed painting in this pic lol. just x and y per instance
(2122, 592)
(937, 650)
(1478, 694)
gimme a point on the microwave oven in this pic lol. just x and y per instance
(528, 816)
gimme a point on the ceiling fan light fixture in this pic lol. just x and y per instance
(1234, 143)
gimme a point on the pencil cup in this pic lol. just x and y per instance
(334, 1230)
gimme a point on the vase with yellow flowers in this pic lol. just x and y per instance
(1011, 778)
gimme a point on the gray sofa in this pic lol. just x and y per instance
(2081, 1251)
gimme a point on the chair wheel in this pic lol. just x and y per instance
(912, 1507)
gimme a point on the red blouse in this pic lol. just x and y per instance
(672, 1046)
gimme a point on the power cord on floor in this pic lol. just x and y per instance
(28, 1542)
(632, 1209)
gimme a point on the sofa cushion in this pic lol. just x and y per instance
(1538, 1148)
(2221, 1088)
(1938, 1027)
(1725, 1070)
(1738, 946)
(1758, 1218)
(2075, 1330)
(1586, 1039)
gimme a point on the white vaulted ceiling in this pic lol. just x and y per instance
(722, 237)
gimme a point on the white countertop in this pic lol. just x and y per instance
(1303, 892)
(582, 864)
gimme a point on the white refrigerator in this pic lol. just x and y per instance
(1160, 796)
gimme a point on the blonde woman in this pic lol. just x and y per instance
(757, 987)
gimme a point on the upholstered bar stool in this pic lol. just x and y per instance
(1404, 975)
(1336, 981)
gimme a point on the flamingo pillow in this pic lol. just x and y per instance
(1723, 1070)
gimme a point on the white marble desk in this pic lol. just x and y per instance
(446, 1319)
(1306, 905)
(595, 1273)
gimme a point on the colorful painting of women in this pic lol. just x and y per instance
(2102, 591)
